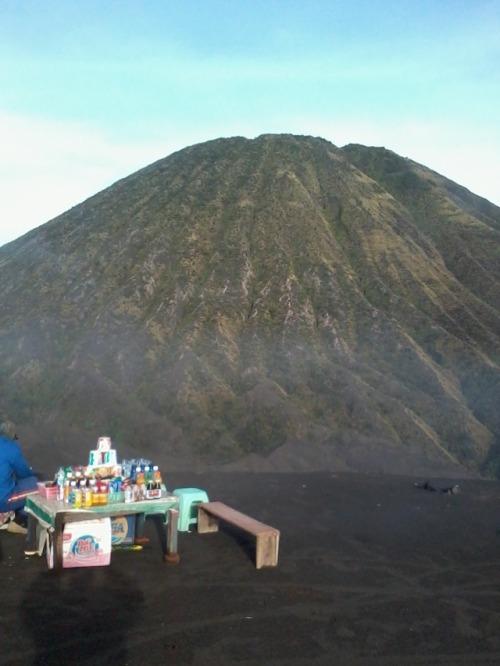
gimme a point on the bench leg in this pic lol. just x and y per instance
(266, 552)
(206, 522)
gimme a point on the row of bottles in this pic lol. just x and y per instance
(81, 490)
(83, 494)
(149, 483)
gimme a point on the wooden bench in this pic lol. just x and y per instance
(267, 538)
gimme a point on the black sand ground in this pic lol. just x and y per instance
(372, 570)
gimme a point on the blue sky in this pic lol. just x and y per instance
(92, 91)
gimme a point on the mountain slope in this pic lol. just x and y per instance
(246, 297)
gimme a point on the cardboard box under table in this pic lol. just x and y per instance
(123, 530)
(52, 515)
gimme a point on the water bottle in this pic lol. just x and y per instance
(67, 486)
(60, 478)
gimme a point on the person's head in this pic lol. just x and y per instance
(7, 428)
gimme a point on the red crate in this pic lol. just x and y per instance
(49, 492)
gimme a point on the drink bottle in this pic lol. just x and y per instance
(157, 478)
(78, 476)
(87, 496)
(94, 491)
(129, 493)
(72, 489)
(67, 487)
(78, 495)
(60, 478)
(141, 485)
(126, 469)
(102, 492)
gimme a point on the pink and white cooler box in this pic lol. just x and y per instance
(85, 544)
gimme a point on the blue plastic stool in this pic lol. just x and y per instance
(189, 498)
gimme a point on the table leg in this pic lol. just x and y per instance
(58, 540)
(139, 537)
(31, 542)
(171, 555)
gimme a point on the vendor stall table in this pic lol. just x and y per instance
(53, 515)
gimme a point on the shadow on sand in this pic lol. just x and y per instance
(81, 616)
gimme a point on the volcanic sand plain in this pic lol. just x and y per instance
(372, 570)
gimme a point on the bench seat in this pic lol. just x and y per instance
(267, 537)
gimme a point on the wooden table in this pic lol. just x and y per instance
(53, 514)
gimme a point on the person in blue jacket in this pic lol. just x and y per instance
(17, 480)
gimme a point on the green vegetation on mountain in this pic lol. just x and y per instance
(246, 297)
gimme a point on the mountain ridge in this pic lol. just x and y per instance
(241, 296)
